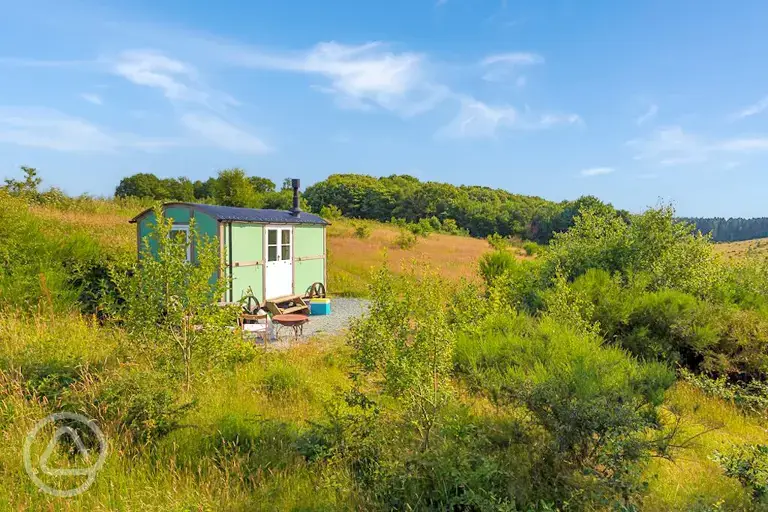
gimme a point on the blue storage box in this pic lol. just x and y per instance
(319, 306)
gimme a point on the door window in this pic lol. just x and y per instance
(285, 244)
(272, 245)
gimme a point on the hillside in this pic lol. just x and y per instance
(350, 259)
(528, 401)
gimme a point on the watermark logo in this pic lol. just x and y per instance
(80, 438)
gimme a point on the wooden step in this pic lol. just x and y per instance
(294, 309)
(286, 298)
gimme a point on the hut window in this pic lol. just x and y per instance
(180, 234)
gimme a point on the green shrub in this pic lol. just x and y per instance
(330, 212)
(362, 231)
(494, 264)
(751, 396)
(497, 242)
(405, 240)
(748, 464)
(531, 248)
(596, 404)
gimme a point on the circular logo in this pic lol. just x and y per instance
(71, 429)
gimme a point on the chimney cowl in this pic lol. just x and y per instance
(296, 210)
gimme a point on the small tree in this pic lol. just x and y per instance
(406, 341)
(170, 303)
(26, 188)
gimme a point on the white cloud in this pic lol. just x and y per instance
(223, 134)
(49, 129)
(515, 58)
(503, 67)
(672, 146)
(597, 171)
(751, 110)
(92, 98)
(649, 115)
(480, 120)
(359, 76)
(153, 69)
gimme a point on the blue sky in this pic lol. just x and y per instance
(634, 102)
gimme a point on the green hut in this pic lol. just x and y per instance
(271, 253)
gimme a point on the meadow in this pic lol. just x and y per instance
(604, 373)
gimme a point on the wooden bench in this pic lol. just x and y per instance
(287, 305)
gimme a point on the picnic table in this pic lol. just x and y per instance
(294, 321)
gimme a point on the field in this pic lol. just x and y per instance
(236, 449)
(739, 249)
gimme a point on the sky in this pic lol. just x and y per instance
(637, 103)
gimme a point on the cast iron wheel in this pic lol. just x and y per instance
(317, 290)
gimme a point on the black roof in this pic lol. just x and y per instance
(233, 213)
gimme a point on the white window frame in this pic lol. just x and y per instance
(279, 243)
(185, 229)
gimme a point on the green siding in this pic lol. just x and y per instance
(247, 247)
(306, 273)
(308, 241)
(179, 214)
(207, 225)
(145, 227)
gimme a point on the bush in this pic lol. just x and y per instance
(330, 212)
(596, 404)
(748, 464)
(405, 240)
(495, 264)
(497, 242)
(531, 248)
(362, 231)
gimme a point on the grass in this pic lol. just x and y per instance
(236, 451)
(692, 481)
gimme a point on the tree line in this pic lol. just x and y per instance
(732, 229)
(231, 187)
(480, 211)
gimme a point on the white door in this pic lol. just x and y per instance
(278, 268)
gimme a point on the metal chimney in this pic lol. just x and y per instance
(296, 210)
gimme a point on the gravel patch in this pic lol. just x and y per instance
(343, 310)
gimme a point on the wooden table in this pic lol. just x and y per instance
(292, 320)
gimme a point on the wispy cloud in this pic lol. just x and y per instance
(222, 134)
(596, 171)
(502, 67)
(673, 146)
(361, 76)
(476, 119)
(153, 69)
(49, 129)
(751, 110)
(649, 115)
(92, 98)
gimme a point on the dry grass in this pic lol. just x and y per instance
(739, 249)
